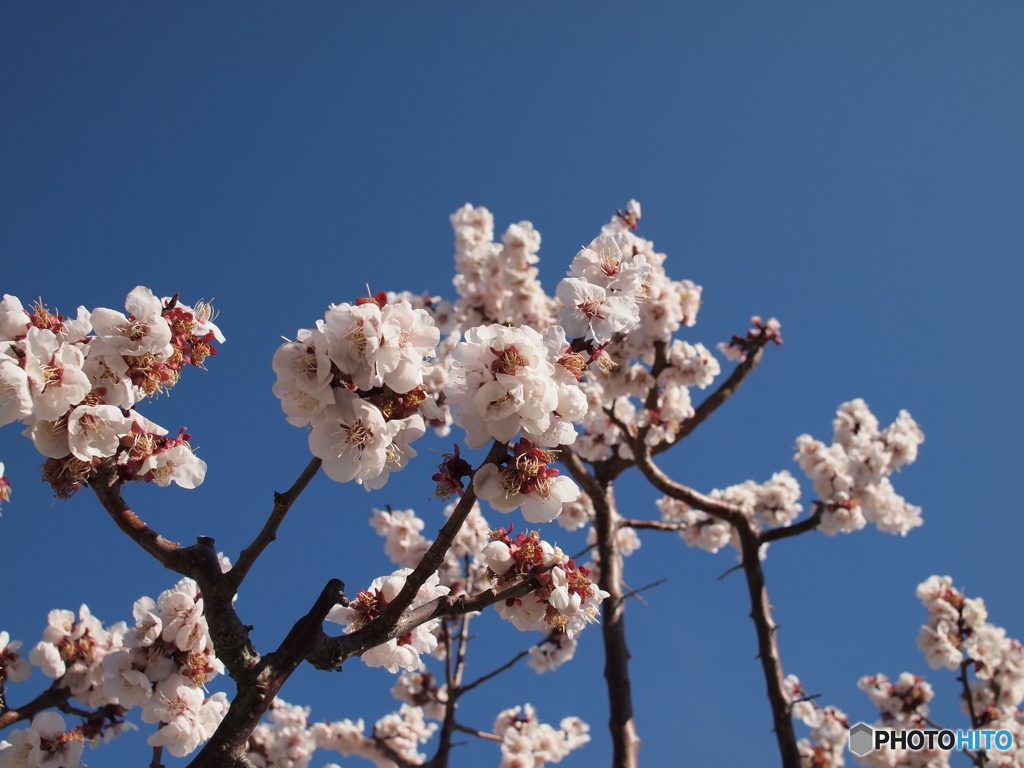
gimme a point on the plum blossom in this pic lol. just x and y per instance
(143, 331)
(45, 744)
(526, 481)
(13, 666)
(591, 313)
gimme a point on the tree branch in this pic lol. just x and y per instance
(434, 556)
(478, 734)
(330, 652)
(282, 504)
(51, 697)
(980, 758)
(105, 485)
(256, 691)
(651, 525)
(609, 469)
(760, 607)
(625, 741)
(808, 524)
(494, 673)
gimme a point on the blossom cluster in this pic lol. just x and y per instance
(957, 632)
(957, 636)
(528, 743)
(288, 740)
(829, 727)
(903, 706)
(852, 474)
(76, 383)
(160, 664)
(567, 600)
(356, 380)
(509, 381)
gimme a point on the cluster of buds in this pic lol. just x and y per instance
(567, 599)
(762, 332)
(526, 479)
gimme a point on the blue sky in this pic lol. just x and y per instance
(854, 170)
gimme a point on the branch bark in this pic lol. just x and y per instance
(51, 697)
(282, 504)
(760, 606)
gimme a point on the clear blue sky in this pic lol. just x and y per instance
(855, 170)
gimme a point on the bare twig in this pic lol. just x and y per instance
(158, 755)
(638, 590)
(980, 757)
(494, 673)
(478, 734)
(731, 570)
(282, 503)
(651, 525)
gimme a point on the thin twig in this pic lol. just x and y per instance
(638, 590)
(980, 758)
(478, 734)
(507, 665)
(282, 503)
(731, 570)
(651, 525)
(157, 761)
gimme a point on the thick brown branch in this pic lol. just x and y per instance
(282, 503)
(199, 562)
(256, 691)
(621, 725)
(52, 697)
(105, 485)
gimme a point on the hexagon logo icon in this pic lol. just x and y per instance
(861, 739)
